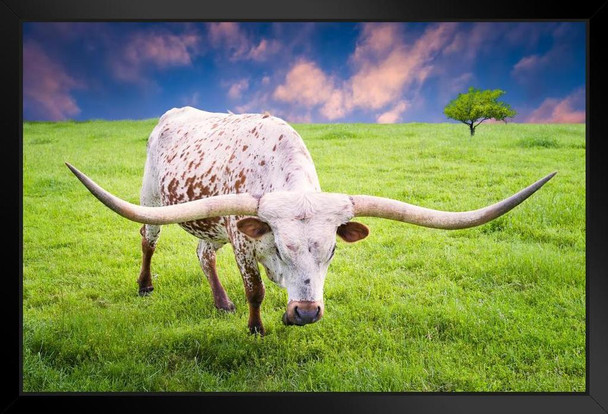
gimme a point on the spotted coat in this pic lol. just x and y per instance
(193, 154)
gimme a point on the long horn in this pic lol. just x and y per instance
(371, 206)
(222, 205)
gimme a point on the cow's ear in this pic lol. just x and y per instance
(253, 227)
(352, 231)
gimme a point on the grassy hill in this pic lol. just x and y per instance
(499, 307)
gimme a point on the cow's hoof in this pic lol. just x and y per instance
(226, 307)
(145, 291)
(257, 330)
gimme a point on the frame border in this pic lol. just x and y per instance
(13, 13)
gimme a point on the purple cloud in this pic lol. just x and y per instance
(160, 49)
(570, 109)
(47, 86)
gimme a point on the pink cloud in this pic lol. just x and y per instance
(468, 44)
(460, 83)
(228, 35)
(336, 105)
(222, 31)
(306, 84)
(47, 85)
(393, 115)
(565, 110)
(482, 37)
(236, 89)
(160, 50)
(530, 67)
(384, 68)
(528, 64)
(264, 49)
(238, 45)
(376, 40)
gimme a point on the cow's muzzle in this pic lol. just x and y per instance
(303, 312)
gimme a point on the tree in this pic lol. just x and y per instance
(476, 106)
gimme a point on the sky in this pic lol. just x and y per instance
(303, 72)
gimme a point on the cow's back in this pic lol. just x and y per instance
(194, 154)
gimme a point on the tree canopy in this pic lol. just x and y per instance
(476, 106)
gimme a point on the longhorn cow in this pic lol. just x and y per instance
(249, 180)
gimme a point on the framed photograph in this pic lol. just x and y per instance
(366, 207)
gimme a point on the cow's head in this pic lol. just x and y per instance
(296, 231)
(295, 237)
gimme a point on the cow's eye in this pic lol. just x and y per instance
(278, 253)
(332, 253)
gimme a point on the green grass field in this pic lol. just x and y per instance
(499, 307)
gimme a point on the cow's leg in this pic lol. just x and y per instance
(254, 286)
(149, 237)
(150, 197)
(206, 256)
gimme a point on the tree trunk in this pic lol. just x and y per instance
(472, 128)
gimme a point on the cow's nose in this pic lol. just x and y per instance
(303, 312)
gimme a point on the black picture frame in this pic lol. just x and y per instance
(13, 13)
